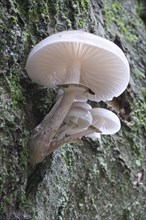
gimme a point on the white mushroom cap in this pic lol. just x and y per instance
(81, 104)
(106, 121)
(100, 64)
(77, 119)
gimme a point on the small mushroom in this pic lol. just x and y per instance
(83, 65)
(71, 139)
(78, 119)
(81, 104)
(106, 121)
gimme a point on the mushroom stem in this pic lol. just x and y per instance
(62, 131)
(73, 75)
(38, 129)
(70, 139)
(39, 143)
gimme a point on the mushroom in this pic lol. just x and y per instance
(78, 119)
(83, 65)
(106, 121)
(79, 57)
(81, 104)
(71, 139)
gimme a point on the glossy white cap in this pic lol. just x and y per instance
(106, 121)
(77, 120)
(100, 64)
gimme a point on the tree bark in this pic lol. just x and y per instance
(95, 180)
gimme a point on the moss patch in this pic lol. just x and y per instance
(125, 27)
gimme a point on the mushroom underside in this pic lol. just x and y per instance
(84, 66)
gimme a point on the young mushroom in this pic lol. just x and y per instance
(104, 120)
(71, 139)
(78, 119)
(83, 65)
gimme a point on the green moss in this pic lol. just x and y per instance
(25, 204)
(12, 20)
(125, 27)
(141, 10)
(69, 14)
(68, 155)
(135, 137)
(81, 10)
(129, 213)
(143, 91)
(139, 115)
(23, 153)
(13, 82)
(138, 74)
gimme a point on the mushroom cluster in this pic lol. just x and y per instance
(83, 66)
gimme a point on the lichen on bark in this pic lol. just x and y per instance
(89, 181)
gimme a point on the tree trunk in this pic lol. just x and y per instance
(100, 180)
